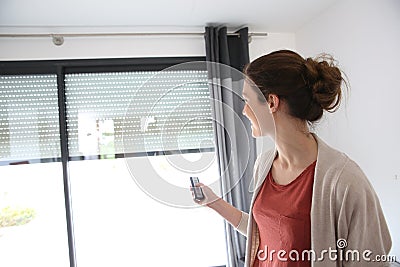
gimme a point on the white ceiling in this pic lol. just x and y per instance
(263, 15)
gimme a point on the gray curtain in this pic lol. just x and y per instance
(235, 146)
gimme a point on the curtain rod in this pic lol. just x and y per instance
(26, 35)
(58, 38)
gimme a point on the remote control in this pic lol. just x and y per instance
(198, 192)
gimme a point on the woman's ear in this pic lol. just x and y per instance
(273, 103)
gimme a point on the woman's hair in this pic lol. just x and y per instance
(308, 86)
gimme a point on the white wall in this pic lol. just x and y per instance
(117, 47)
(262, 45)
(364, 36)
(100, 47)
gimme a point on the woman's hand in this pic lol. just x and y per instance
(210, 198)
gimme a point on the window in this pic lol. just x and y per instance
(32, 213)
(90, 119)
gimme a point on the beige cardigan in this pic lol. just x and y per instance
(344, 206)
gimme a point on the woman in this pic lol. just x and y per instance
(312, 205)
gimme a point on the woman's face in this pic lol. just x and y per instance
(257, 112)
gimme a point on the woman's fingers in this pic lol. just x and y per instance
(209, 195)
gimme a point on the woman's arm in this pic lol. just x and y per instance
(234, 216)
(227, 211)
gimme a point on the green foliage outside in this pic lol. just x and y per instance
(10, 216)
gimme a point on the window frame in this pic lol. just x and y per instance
(69, 66)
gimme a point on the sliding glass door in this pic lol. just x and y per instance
(71, 132)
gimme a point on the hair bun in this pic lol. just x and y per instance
(306, 86)
(324, 80)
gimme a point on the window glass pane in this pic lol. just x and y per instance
(29, 118)
(117, 224)
(33, 228)
(97, 105)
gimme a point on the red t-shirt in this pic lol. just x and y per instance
(282, 214)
